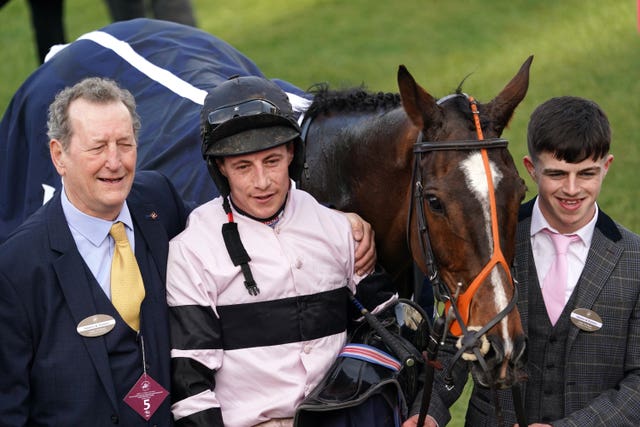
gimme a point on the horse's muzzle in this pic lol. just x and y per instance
(501, 371)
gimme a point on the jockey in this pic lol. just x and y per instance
(258, 282)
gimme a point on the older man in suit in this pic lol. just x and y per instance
(579, 302)
(68, 355)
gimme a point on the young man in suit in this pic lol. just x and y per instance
(583, 344)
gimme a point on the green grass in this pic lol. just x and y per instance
(588, 49)
(581, 48)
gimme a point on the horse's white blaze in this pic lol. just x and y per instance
(476, 179)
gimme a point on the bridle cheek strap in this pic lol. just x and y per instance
(463, 302)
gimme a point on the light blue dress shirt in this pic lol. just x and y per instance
(92, 238)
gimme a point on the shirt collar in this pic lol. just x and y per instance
(539, 223)
(91, 228)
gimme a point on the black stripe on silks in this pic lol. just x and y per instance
(210, 417)
(194, 327)
(189, 377)
(285, 320)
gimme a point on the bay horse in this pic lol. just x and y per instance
(441, 190)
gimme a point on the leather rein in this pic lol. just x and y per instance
(457, 306)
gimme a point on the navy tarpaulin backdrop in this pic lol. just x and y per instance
(168, 67)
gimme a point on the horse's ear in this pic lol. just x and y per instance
(421, 107)
(501, 108)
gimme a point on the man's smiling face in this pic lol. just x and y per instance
(98, 163)
(567, 192)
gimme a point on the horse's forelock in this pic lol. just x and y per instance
(461, 103)
(352, 99)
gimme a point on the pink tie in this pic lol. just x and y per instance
(555, 282)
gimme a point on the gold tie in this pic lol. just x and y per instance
(127, 289)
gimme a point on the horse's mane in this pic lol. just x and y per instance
(352, 99)
(356, 99)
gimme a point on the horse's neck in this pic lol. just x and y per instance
(376, 183)
(380, 131)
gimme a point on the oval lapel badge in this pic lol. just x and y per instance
(585, 319)
(96, 325)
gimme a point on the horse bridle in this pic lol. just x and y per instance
(458, 305)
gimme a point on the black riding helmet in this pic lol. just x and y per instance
(244, 115)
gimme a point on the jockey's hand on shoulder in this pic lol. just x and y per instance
(364, 236)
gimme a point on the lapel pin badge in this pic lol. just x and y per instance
(96, 325)
(152, 216)
(586, 319)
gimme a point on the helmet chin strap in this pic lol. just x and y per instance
(237, 252)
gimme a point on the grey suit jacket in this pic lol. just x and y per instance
(602, 368)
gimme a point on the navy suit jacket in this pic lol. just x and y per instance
(49, 374)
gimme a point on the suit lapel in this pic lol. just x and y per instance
(146, 219)
(74, 283)
(523, 252)
(601, 261)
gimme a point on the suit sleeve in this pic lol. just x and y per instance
(620, 403)
(196, 344)
(16, 350)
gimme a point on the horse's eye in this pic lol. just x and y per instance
(434, 204)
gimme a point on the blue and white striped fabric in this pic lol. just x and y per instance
(370, 354)
(168, 67)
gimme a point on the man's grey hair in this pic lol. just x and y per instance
(96, 90)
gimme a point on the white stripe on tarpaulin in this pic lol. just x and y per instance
(160, 75)
(165, 77)
(370, 354)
